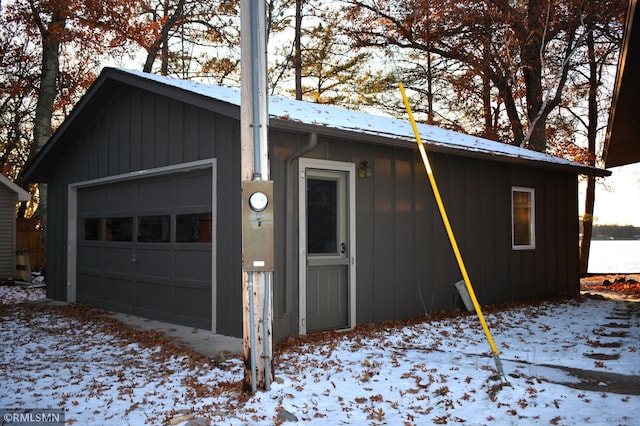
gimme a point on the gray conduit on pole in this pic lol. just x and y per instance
(252, 334)
(265, 331)
(255, 83)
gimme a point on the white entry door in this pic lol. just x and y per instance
(327, 245)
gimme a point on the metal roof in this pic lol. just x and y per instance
(326, 120)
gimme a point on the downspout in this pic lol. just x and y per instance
(310, 146)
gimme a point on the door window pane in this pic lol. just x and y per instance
(322, 216)
(91, 229)
(523, 231)
(193, 228)
(154, 229)
(119, 229)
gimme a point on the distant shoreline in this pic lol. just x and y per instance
(615, 239)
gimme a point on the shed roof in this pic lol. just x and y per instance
(325, 120)
(622, 144)
(21, 193)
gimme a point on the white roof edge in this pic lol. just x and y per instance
(22, 194)
(356, 121)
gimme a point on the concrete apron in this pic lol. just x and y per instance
(202, 341)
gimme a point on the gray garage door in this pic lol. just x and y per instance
(144, 247)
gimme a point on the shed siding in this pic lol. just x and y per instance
(405, 264)
(8, 200)
(136, 130)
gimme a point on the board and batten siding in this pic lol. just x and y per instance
(405, 264)
(8, 200)
(135, 129)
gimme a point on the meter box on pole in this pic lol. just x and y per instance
(257, 226)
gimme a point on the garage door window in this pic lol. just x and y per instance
(119, 229)
(154, 229)
(193, 228)
(91, 229)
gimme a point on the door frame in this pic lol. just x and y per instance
(72, 220)
(330, 166)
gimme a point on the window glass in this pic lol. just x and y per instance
(322, 216)
(523, 231)
(119, 229)
(193, 228)
(91, 229)
(154, 229)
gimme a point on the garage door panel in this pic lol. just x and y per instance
(93, 286)
(193, 265)
(154, 262)
(119, 259)
(91, 257)
(154, 295)
(92, 200)
(191, 190)
(149, 269)
(119, 289)
(120, 198)
(156, 195)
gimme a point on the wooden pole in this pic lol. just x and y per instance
(255, 166)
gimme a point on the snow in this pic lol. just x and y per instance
(359, 122)
(433, 371)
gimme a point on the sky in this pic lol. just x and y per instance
(617, 197)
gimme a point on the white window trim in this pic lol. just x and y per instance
(303, 164)
(532, 223)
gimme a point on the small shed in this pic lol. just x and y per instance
(10, 195)
(144, 212)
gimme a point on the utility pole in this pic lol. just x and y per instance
(257, 200)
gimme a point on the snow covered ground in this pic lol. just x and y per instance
(431, 372)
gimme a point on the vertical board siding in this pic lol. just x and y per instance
(405, 255)
(384, 236)
(8, 201)
(225, 135)
(135, 130)
(405, 265)
(365, 226)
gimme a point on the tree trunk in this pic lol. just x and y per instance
(154, 49)
(532, 71)
(587, 225)
(46, 96)
(430, 117)
(47, 92)
(592, 127)
(297, 54)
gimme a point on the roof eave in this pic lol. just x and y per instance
(21, 193)
(296, 126)
(622, 112)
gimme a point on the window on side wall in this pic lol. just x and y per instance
(523, 218)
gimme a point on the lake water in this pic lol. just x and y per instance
(619, 256)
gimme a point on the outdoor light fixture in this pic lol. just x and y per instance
(365, 171)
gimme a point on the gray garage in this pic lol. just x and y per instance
(144, 162)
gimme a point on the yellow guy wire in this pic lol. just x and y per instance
(447, 225)
(443, 211)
